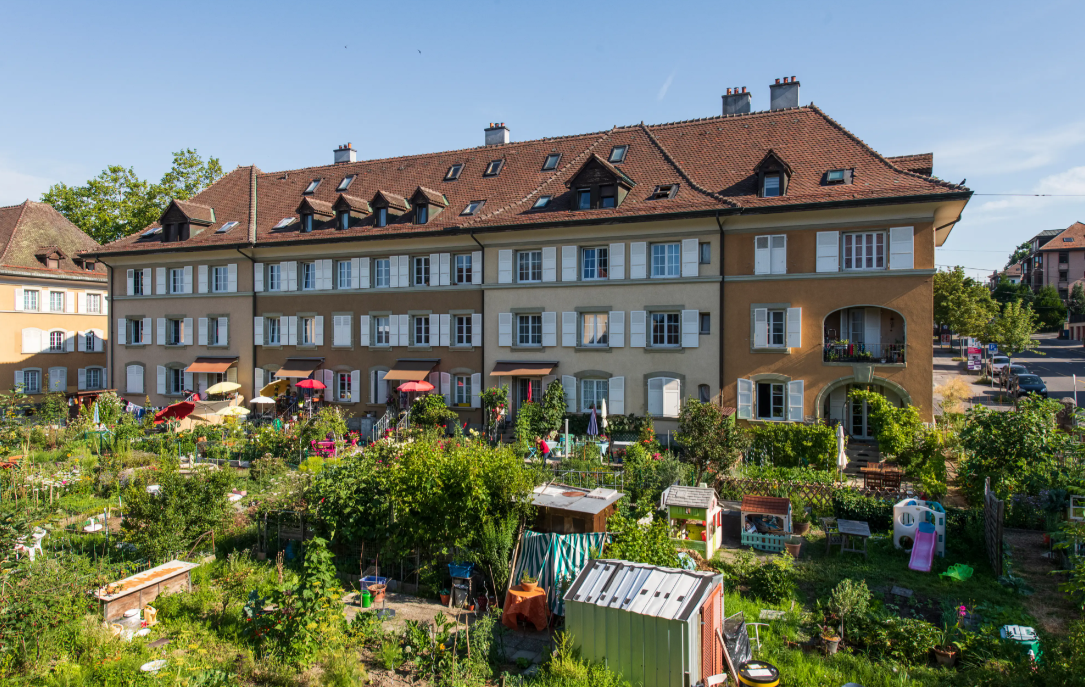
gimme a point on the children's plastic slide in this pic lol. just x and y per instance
(923, 550)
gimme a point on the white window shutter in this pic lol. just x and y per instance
(637, 328)
(363, 273)
(616, 396)
(188, 381)
(445, 278)
(382, 386)
(504, 329)
(187, 331)
(568, 383)
(404, 330)
(446, 387)
(762, 257)
(160, 328)
(337, 330)
(434, 270)
(201, 278)
(828, 251)
(99, 340)
(434, 329)
(617, 261)
(231, 278)
(872, 328)
(288, 273)
(901, 248)
(393, 271)
(549, 328)
(568, 263)
(393, 330)
(257, 380)
(329, 386)
(80, 341)
(672, 397)
(201, 384)
(476, 390)
(691, 259)
(160, 280)
(161, 380)
(145, 337)
(435, 380)
(69, 302)
(504, 266)
(355, 386)
(81, 299)
(794, 327)
(550, 263)
(44, 346)
(32, 340)
(363, 331)
(356, 274)
(476, 330)
(655, 396)
(616, 326)
(131, 282)
(760, 327)
(568, 329)
(404, 271)
(69, 342)
(745, 399)
(224, 331)
(201, 333)
(147, 282)
(691, 328)
(258, 331)
(795, 401)
(318, 327)
(258, 277)
(292, 329)
(105, 303)
(476, 267)
(188, 279)
(445, 327)
(638, 260)
(778, 251)
(81, 379)
(122, 331)
(20, 379)
(20, 301)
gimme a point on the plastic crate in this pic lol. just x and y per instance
(460, 569)
(371, 579)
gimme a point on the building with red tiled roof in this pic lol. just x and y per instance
(56, 304)
(522, 262)
(1063, 260)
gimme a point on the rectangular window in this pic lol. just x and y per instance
(56, 342)
(607, 197)
(421, 271)
(864, 251)
(343, 220)
(1064, 256)
(342, 387)
(213, 338)
(56, 301)
(345, 183)
(31, 381)
(494, 168)
(175, 332)
(529, 264)
(381, 332)
(529, 330)
(453, 172)
(137, 283)
(382, 217)
(583, 199)
(770, 401)
(30, 300)
(463, 269)
(307, 222)
(665, 329)
(463, 330)
(175, 381)
(592, 394)
(177, 280)
(706, 323)
(593, 329)
(542, 202)
(1063, 275)
(343, 273)
(551, 161)
(135, 331)
(472, 207)
(89, 342)
(617, 153)
(94, 303)
(94, 378)
(596, 263)
(706, 253)
(770, 254)
(421, 330)
(308, 276)
(220, 279)
(666, 260)
(308, 330)
(776, 328)
(462, 397)
(421, 214)
(382, 268)
(274, 278)
(273, 331)
(771, 189)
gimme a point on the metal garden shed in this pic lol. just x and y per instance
(659, 627)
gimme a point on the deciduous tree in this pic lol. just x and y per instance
(1077, 299)
(1049, 308)
(710, 439)
(1012, 330)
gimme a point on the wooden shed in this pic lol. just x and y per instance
(140, 589)
(573, 510)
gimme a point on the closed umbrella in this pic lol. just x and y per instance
(593, 426)
(841, 455)
(223, 388)
(603, 414)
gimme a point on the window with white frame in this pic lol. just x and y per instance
(93, 378)
(177, 280)
(529, 330)
(220, 279)
(175, 381)
(343, 274)
(32, 381)
(464, 269)
(421, 330)
(770, 254)
(56, 301)
(382, 268)
(175, 332)
(89, 341)
(56, 342)
(664, 396)
(308, 276)
(274, 331)
(772, 186)
(529, 266)
(30, 299)
(274, 278)
(461, 385)
(666, 329)
(137, 283)
(594, 329)
(666, 260)
(770, 400)
(592, 394)
(307, 325)
(94, 303)
(342, 386)
(381, 332)
(864, 250)
(595, 263)
(135, 331)
(215, 329)
(463, 330)
(421, 271)
(776, 328)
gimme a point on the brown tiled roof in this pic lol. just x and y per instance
(394, 200)
(29, 228)
(772, 505)
(196, 212)
(353, 204)
(1069, 238)
(921, 163)
(712, 158)
(319, 207)
(431, 196)
(1013, 270)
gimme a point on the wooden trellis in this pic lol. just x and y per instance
(993, 512)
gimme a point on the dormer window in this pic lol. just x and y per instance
(345, 183)
(617, 154)
(342, 219)
(599, 184)
(382, 217)
(89, 265)
(311, 188)
(494, 168)
(607, 197)
(473, 207)
(307, 222)
(771, 187)
(834, 176)
(542, 202)
(583, 199)
(52, 263)
(664, 191)
(551, 161)
(284, 222)
(453, 172)
(773, 174)
(421, 214)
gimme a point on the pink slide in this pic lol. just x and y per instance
(923, 550)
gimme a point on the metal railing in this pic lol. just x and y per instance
(404, 422)
(840, 352)
(380, 427)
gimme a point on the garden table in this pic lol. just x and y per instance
(853, 528)
(530, 604)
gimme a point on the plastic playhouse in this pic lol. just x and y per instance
(766, 522)
(694, 516)
(920, 526)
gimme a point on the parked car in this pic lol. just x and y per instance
(995, 364)
(1025, 384)
(1010, 372)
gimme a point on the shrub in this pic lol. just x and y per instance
(851, 505)
(774, 580)
(793, 444)
(431, 410)
(905, 640)
(641, 543)
(267, 468)
(850, 599)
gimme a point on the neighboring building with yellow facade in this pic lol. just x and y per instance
(53, 304)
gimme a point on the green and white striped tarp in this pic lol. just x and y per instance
(555, 560)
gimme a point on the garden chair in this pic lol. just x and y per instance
(891, 480)
(832, 536)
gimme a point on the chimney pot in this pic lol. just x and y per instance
(777, 81)
(784, 95)
(743, 89)
(345, 153)
(497, 134)
(735, 102)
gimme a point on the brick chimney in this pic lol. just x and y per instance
(497, 134)
(345, 154)
(784, 95)
(736, 101)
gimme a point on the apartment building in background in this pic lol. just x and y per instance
(766, 261)
(54, 303)
(1063, 259)
(1032, 265)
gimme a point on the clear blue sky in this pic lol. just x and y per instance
(994, 89)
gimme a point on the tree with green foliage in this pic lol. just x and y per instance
(903, 436)
(430, 410)
(1019, 253)
(649, 543)
(1077, 299)
(1013, 329)
(1049, 308)
(118, 203)
(552, 409)
(962, 303)
(1006, 291)
(710, 440)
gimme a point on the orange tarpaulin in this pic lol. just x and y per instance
(531, 605)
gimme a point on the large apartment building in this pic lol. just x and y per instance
(762, 260)
(54, 304)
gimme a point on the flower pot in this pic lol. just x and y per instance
(832, 644)
(444, 599)
(529, 586)
(945, 656)
(793, 548)
(377, 590)
(801, 528)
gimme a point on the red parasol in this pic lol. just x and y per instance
(310, 384)
(415, 386)
(177, 411)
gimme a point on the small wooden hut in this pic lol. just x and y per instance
(766, 522)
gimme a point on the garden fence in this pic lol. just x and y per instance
(993, 512)
(814, 494)
(585, 479)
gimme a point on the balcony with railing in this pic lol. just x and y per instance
(847, 352)
(864, 334)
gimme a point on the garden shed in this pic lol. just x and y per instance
(766, 522)
(660, 627)
(694, 516)
(567, 510)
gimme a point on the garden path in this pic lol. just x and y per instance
(1048, 605)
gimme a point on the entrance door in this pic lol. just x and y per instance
(860, 420)
(522, 393)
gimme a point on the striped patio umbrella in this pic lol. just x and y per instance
(593, 425)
